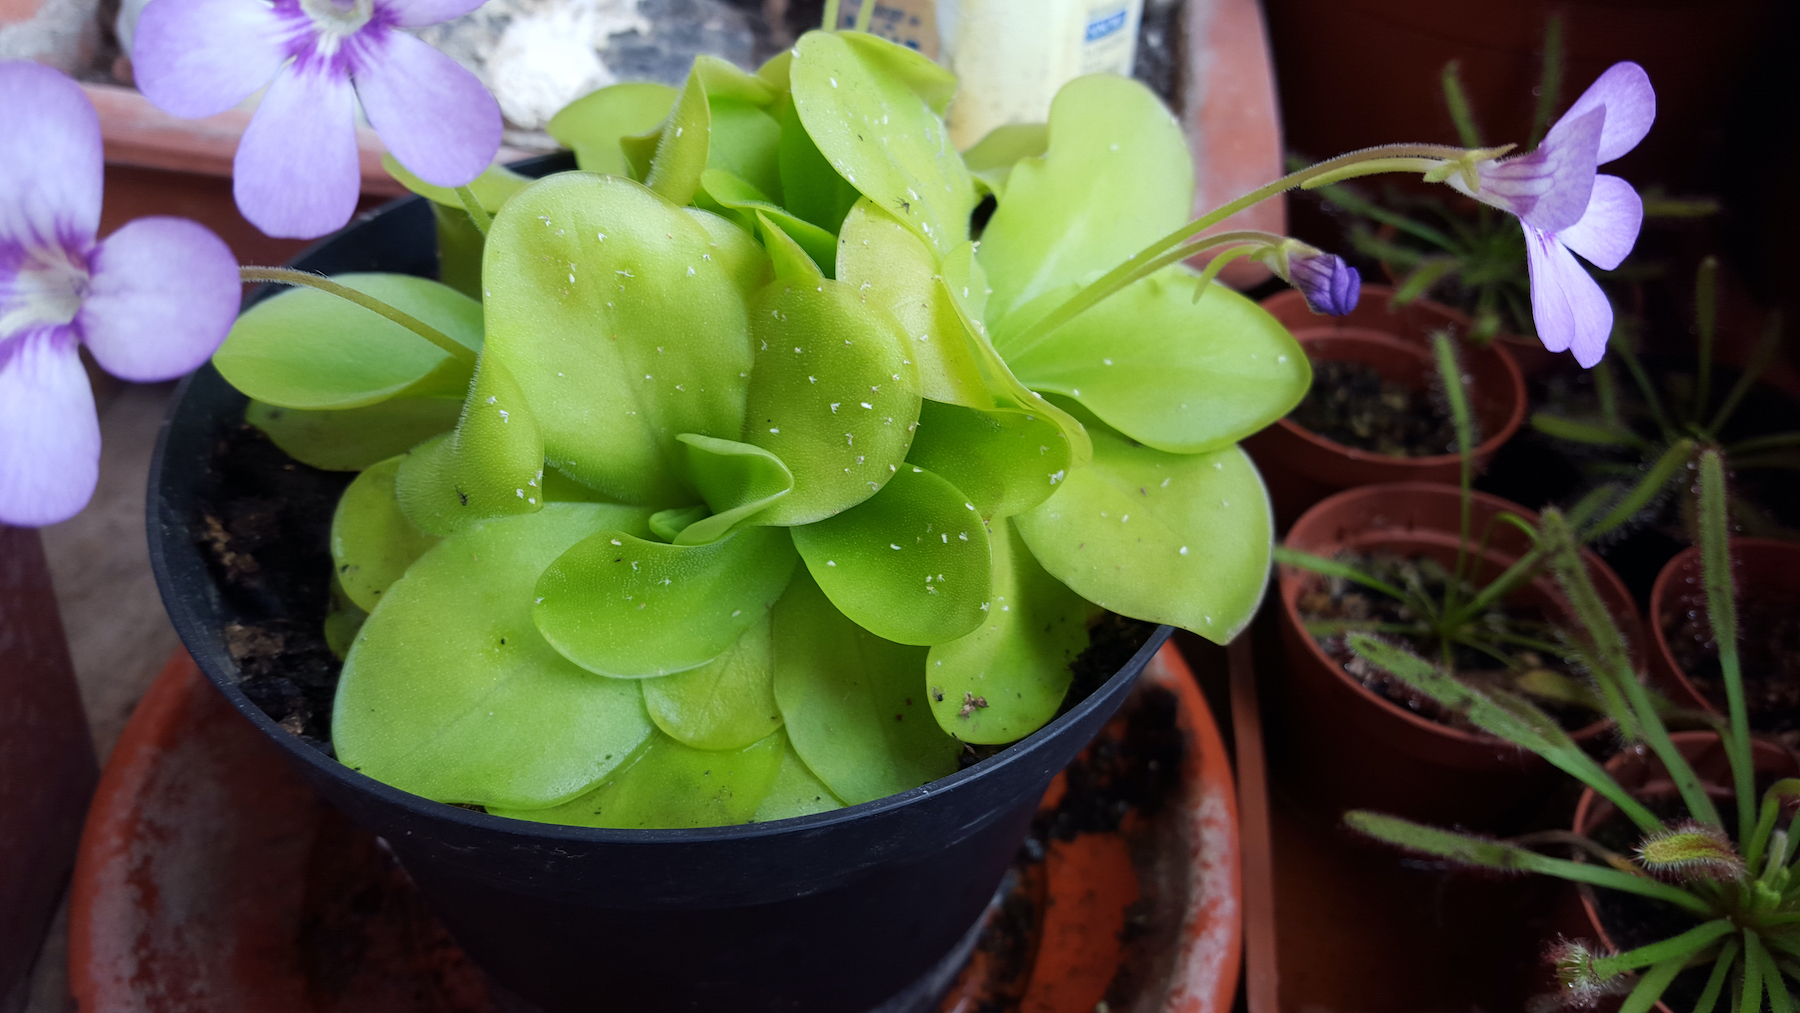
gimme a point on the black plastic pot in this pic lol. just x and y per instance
(836, 912)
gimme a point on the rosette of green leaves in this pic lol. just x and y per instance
(758, 503)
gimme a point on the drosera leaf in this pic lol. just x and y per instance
(372, 542)
(1007, 460)
(626, 607)
(1116, 176)
(872, 108)
(992, 158)
(727, 703)
(451, 694)
(797, 791)
(1167, 538)
(351, 439)
(490, 465)
(304, 348)
(892, 267)
(1175, 374)
(854, 704)
(623, 325)
(812, 189)
(1007, 679)
(592, 125)
(493, 188)
(831, 395)
(673, 786)
(910, 564)
(737, 480)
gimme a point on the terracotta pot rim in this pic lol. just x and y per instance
(1659, 596)
(1288, 578)
(1485, 449)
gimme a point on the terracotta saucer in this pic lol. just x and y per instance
(212, 879)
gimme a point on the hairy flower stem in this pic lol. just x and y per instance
(477, 213)
(289, 276)
(1721, 613)
(1450, 370)
(1422, 158)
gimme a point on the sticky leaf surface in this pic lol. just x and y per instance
(728, 702)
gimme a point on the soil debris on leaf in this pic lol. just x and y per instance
(1350, 403)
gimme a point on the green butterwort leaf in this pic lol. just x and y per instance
(774, 71)
(1181, 539)
(746, 142)
(619, 343)
(735, 249)
(343, 620)
(892, 267)
(491, 465)
(831, 395)
(639, 151)
(351, 439)
(717, 107)
(560, 488)
(992, 158)
(682, 148)
(860, 99)
(746, 205)
(492, 188)
(622, 606)
(1116, 177)
(592, 125)
(450, 692)
(304, 348)
(727, 703)
(372, 542)
(1006, 460)
(737, 480)
(910, 564)
(669, 524)
(1179, 375)
(792, 263)
(459, 248)
(1006, 679)
(671, 786)
(797, 791)
(966, 285)
(853, 703)
(812, 189)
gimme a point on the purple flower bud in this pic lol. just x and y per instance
(1329, 285)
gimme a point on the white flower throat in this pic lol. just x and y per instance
(47, 290)
(336, 22)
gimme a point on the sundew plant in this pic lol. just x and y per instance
(1731, 877)
(749, 471)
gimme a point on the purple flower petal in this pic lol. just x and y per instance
(1624, 90)
(50, 160)
(1550, 187)
(419, 13)
(1609, 229)
(1329, 285)
(434, 116)
(196, 58)
(297, 174)
(49, 437)
(163, 295)
(1566, 304)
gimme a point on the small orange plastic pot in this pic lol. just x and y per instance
(1764, 570)
(1355, 749)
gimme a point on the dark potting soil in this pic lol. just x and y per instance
(1351, 404)
(1337, 600)
(1768, 653)
(264, 524)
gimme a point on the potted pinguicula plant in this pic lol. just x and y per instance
(1693, 859)
(763, 475)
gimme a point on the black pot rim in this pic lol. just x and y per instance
(202, 642)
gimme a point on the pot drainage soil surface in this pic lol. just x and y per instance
(264, 523)
(1351, 404)
(1769, 650)
(1342, 601)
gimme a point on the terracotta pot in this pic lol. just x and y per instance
(1353, 747)
(47, 766)
(1763, 570)
(212, 879)
(1355, 73)
(1641, 773)
(1302, 467)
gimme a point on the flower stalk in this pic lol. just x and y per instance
(289, 276)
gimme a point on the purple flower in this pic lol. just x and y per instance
(1329, 285)
(1565, 204)
(297, 174)
(150, 302)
